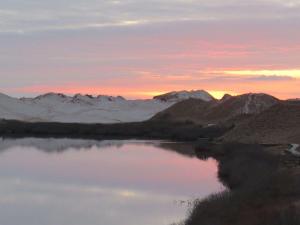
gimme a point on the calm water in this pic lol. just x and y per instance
(76, 182)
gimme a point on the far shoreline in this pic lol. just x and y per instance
(175, 131)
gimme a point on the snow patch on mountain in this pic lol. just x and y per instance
(256, 103)
(183, 95)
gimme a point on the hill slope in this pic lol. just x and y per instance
(278, 124)
(194, 110)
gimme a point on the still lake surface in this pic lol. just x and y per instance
(80, 182)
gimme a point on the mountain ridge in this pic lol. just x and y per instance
(249, 118)
(58, 107)
(184, 95)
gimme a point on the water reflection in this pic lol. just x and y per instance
(80, 182)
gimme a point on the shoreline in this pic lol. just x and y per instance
(255, 176)
(177, 131)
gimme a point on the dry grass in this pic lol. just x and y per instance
(261, 193)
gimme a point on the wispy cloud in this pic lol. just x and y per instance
(270, 78)
(29, 15)
(272, 74)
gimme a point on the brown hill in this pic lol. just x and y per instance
(246, 104)
(229, 108)
(278, 124)
(194, 110)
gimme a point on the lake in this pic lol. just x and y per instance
(81, 182)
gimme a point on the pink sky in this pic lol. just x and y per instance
(152, 50)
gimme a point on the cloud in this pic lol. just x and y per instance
(270, 78)
(30, 15)
(267, 73)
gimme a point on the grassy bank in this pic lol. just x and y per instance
(262, 192)
(184, 131)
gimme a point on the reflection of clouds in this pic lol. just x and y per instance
(84, 203)
(35, 187)
(132, 181)
(131, 164)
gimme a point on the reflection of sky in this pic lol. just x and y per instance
(133, 183)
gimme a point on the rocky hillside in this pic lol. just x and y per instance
(228, 108)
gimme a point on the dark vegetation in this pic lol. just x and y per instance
(182, 131)
(261, 191)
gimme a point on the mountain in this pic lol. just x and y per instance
(235, 106)
(278, 124)
(226, 97)
(12, 108)
(183, 95)
(228, 108)
(56, 107)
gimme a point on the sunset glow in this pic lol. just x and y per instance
(129, 49)
(220, 94)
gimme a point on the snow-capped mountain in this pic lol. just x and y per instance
(54, 107)
(183, 95)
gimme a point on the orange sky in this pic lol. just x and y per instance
(147, 87)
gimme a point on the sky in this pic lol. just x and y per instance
(138, 48)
